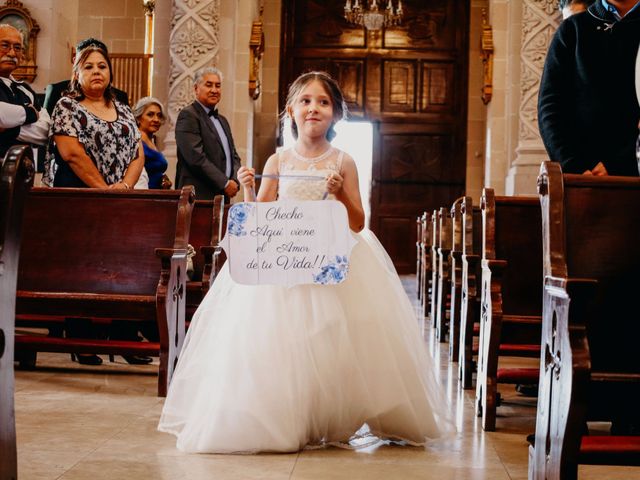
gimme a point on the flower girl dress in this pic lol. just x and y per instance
(276, 369)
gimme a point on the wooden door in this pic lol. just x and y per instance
(411, 82)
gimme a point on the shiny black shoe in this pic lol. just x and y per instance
(531, 439)
(137, 359)
(528, 390)
(26, 360)
(86, 359)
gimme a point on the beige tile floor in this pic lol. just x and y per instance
(76, 422)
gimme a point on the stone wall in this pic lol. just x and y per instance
(477, 111)
(118, 23)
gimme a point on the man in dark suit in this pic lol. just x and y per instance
(21, 118)
(207, 157)
(54, 91)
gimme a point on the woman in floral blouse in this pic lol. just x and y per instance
(95, 139)
(95, 143)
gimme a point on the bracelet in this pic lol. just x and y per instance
(126, 185)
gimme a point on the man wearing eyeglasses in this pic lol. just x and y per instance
(21, 119)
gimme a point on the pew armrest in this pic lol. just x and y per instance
(578, 289)
(471, 259)
(165, 254)
(496, 266)
(212, 264)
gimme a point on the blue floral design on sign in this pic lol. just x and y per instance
(334, 272)
(238, 215)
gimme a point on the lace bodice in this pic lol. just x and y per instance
(310, 184)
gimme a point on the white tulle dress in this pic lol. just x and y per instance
(278, 369)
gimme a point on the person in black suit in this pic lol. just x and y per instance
(207, 157)
(55, 91)
(21, 118)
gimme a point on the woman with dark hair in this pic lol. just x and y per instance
(95, 143)
(95, 139)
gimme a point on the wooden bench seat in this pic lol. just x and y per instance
(435, 242)
(17, 171)
(443, 292)
(419, 260)
(511, 295)
(426, 268)
(85, 345)
(105, 255)
(514, 350)
(609, 450)
(455, 275)
(204, 237)
(470, 289)
(590, 366)
(519, 375)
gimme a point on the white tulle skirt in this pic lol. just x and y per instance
(277, 369)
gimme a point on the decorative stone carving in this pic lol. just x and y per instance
(540, 19)
(193, 44)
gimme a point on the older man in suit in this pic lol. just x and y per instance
(207, 157)
(21, 118)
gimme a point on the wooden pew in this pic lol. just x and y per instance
(470, 288)
(209, 257)
(17, 170)
(590, 368)
(444, 278)
(419, 259)
(435, 242)
(426, 268)
(511, 295)
(455, 274)
(105, 255)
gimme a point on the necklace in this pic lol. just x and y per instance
(311, 160)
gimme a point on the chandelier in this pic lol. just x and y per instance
(370, 15)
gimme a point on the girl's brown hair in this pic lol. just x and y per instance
(333, 90)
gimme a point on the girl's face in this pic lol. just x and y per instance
(93, 74)
(312, 111)
(151, 119)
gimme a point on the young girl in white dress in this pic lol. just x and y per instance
(276, 369)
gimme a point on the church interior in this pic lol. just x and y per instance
(443, 95)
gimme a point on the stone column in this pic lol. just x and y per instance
(540, 19)
(193, 44)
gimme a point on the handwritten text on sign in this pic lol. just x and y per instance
(288, 242)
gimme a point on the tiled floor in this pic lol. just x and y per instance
(77, 422)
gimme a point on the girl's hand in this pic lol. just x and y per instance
(334, 182)
(246, 177)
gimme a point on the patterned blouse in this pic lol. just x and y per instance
(111, 145)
